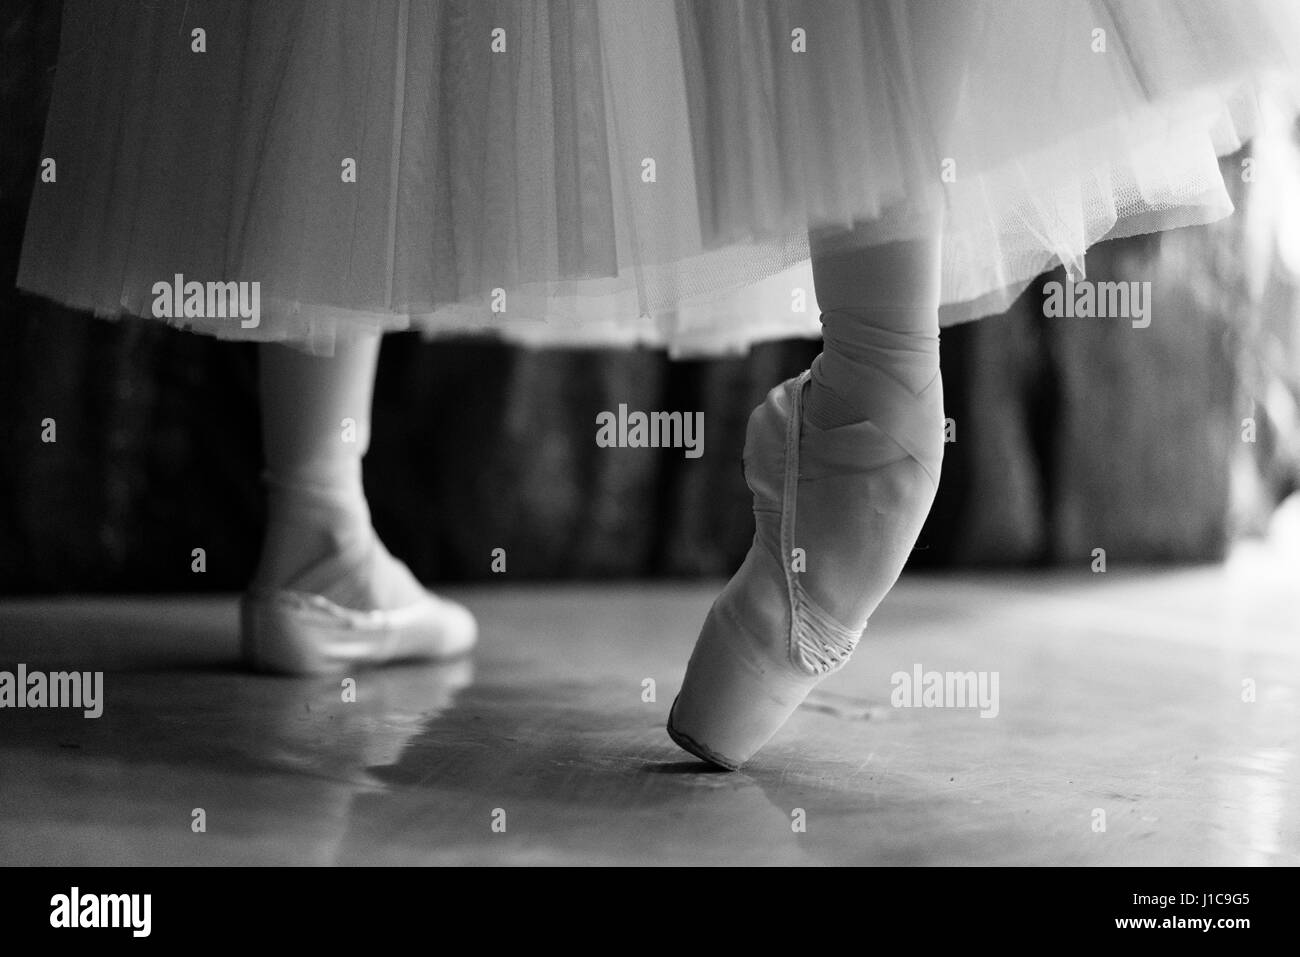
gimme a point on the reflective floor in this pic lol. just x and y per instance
(1125, 734)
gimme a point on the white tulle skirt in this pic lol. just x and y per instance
(620, 171)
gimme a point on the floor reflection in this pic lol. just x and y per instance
(1123, 696)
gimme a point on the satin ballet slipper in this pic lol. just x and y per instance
(297, 633)
(295, 629)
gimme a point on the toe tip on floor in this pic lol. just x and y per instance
(691, 746)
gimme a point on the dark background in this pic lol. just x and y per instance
(1071, 435)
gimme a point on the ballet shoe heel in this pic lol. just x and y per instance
(284, 634)
(730, 705)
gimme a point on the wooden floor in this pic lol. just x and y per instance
(1120, 693)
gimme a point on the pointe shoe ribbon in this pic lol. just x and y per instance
(818, 643)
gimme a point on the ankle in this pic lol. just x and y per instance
(317, 498)
(861, 345)
(311, 520)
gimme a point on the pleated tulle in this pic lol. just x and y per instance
(623, 171)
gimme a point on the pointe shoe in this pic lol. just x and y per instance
(298, 628)
(299, 633)
(766, 642)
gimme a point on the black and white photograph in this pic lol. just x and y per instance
(650, 433)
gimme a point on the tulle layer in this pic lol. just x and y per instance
(621, 171)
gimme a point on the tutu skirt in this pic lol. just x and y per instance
(619, 172)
